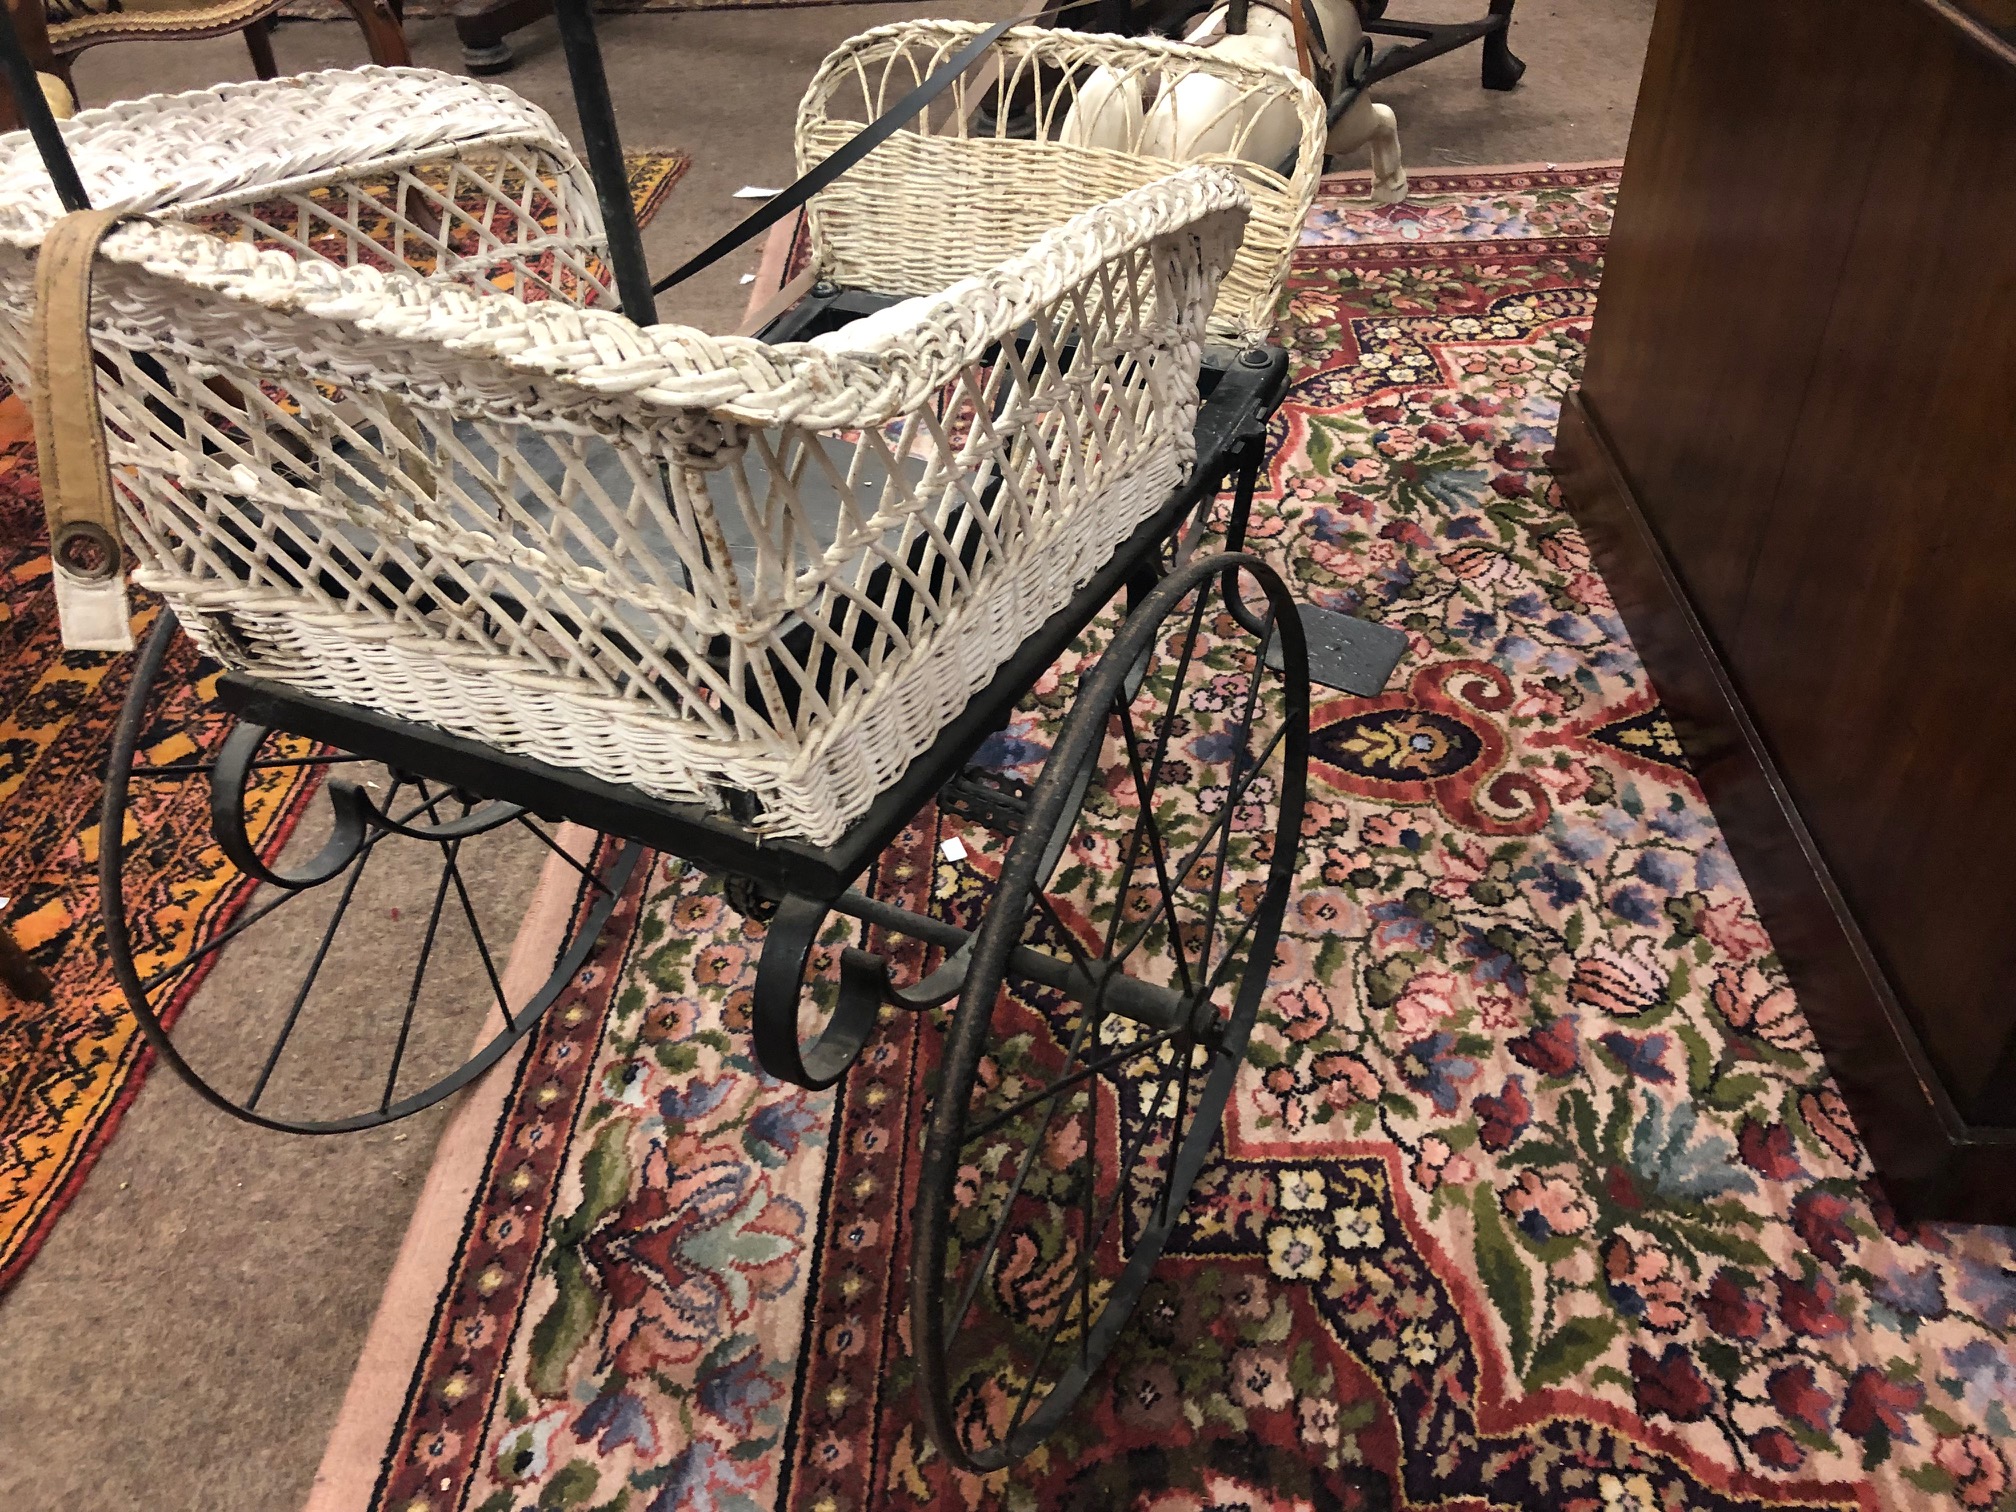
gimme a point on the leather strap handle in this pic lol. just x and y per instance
(76, 471)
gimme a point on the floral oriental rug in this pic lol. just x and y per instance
(1535, 1193)
(69, 1068)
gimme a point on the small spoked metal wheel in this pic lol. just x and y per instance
(371, 913)
(1107, 1003)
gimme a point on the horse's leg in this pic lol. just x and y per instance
(1367, 124)
(1389, 178)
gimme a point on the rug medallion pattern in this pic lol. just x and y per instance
(1535, 1193)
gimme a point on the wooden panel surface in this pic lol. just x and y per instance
(1741, 190)
(1803, 375)
(1877, 640)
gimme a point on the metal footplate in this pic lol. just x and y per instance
(1346, 652)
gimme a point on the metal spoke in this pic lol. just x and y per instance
(426, 954)
(482, 945)
(1155, 768)
(1141, 1138)
(1086, 1252)
(1224, 818)
(1144, 791)
(1231, 954)
(228, 935)
(1021, 1175)
(554, 846)
(1187, 1050)
(1091, 1195)
(1089, 1069)
(314, 969)
(1077, 950)
(1250, 776)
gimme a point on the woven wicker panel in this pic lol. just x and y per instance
(694, 564)
(1091, 117)
(396, 168)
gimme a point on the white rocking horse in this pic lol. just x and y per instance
(1201, 115)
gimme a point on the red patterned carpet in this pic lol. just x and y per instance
(68, 1068)
(1534, 1194)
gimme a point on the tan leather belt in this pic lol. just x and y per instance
(70, 439)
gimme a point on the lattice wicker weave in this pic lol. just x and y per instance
(969, 186)
(687, 562)
(381, 166)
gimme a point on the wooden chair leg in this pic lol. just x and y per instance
(259, 43)
(384, 38)
(482, 26)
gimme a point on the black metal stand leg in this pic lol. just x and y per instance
(1502, 68)
(33, 109)
(605, 159)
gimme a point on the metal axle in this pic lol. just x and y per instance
(1144, 1003)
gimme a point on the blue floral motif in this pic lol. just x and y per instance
(1916, 1293)
(694, 1099)
(1558, 884)
(1989, 1290)
(614, 1420)
(1643, 1056)
(1429, 1066)
(703, 1479)
(1494, 963)
(1400, 927)
(1635, 904)
(1215, 746)
(741, 1391)
(1005, 749)
(1662, 869)
(1680, 1162)
(776, 1129)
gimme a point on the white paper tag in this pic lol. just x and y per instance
(750, 191)
(953, 848)
(93, 616)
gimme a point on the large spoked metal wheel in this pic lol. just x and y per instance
(373, 918)
(1069, 1126)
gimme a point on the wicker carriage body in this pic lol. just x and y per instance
(383, 441)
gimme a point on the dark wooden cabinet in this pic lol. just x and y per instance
(1794, 452)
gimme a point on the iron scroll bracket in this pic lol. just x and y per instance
(866, 986)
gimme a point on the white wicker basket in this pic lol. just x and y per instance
(685, 562)
(969, 186)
